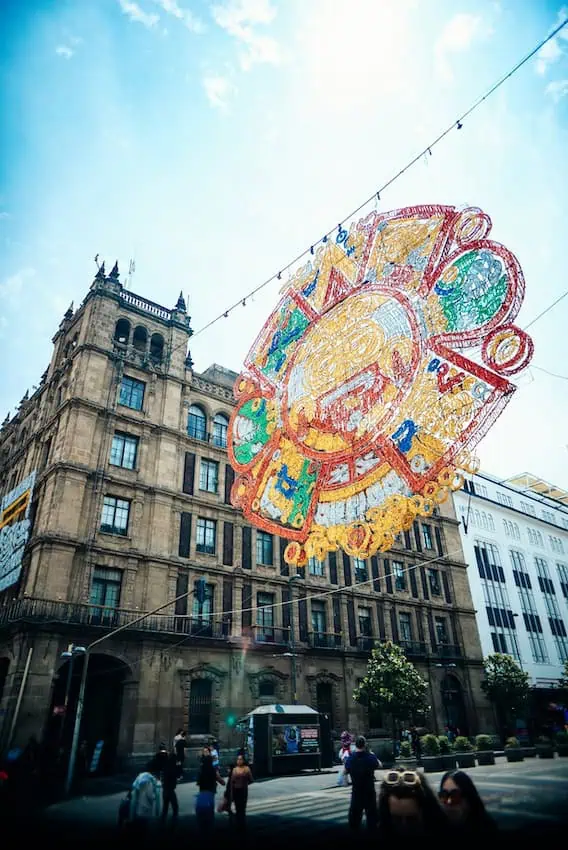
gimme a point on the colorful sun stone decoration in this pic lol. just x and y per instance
(383, 365)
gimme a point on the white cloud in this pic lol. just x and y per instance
(171, 7)
(552, 50)
(63, 50)
(557, 90)
(219, 90)
(12, 287)
(239, 18)
(457, 36)
(138, 15)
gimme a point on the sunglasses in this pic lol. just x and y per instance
(409, 778)
(450, 797)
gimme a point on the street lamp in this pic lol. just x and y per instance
(69, 655)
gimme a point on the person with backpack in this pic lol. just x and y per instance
(145, 799)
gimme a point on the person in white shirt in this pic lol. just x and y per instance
(146, 798)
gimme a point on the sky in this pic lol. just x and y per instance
(212, 142)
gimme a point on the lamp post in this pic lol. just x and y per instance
(291, 642)
(199, 590)
(69, 654)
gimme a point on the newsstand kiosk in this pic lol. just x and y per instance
(282, 739)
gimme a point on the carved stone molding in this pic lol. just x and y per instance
(216, 676)
(268, 674)
(328, 678)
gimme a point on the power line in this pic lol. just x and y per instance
(545, 311)
(457, 124)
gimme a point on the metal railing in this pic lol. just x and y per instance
(414, 648)
(447, 650)
(267, 634)
(325, 640)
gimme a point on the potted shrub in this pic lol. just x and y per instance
(513, 751)
(484, 750)
(544, 748)
(447, 754)
(406, 755)
(431, 760)
(562, 743)
(464, 752)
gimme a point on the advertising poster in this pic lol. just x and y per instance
(290, 740)
(14, 530)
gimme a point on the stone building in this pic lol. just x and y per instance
(116, 498)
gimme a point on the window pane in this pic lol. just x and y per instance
(131, 393)
(220, 425)
(196, 423)
(208, 476)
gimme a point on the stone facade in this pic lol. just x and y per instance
(132, 506)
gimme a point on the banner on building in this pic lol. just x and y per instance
(15, 528)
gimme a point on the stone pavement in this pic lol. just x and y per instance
(524, 797)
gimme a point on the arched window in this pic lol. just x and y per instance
(220, 425)
(156, 348)
(140, 339)
(122, 332)
(197, 423)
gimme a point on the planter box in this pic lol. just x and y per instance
(410, 762)
(529, 752)
(465, 760)
(514, 754)
(448, 761)
(545, 752)
(485, 757)
(432, 764)
(562, 750)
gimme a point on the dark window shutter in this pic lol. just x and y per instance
(381, 620)
(184, 535)
(284, 567)
(337, 626)
(375, 574)
(431, 630)
(455, 627)
(417, 536)
(182, 585)
(228, 535)
(301, 572)
(425, 590)
(413, 582)
(388, 577)
(394, 626)
(351, 622)
(407, 541)
(446, 584)
(420, 621)
(286, 607)
(247, 547)
(333, 567)
(346, 569)
(303, 617)
(438, 535)
(247, 605)
(227, 605)
(229, 480)
(188, 473)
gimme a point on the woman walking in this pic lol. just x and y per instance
(207, 780)
(241, 778)
(464, 807)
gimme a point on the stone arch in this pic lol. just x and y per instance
(122, 332)
(216, 677)
(268, 675)
(327, 678)
(156, 348)
(197, 421)
(453, 703)
(140, 339)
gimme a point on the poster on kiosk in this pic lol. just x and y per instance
(283, 739)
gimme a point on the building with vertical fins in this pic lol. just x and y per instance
(115, 497)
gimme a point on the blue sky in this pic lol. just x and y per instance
(212, 141)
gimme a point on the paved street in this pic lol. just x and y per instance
(523, 797)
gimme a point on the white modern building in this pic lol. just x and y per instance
(515, 540)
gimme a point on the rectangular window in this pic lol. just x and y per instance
(365, 622)
(208, 475)
(206, 539)
(563, 578)
(538, 648)
(220, 426)
(115, 515)
(434, 582)
(124, 450)
(264, 548)
(315, 567)
(405, 624)
(200, 707)
(399, 575)
(319, 625)
(361, 570)
(427, 536)
(131, 393)
(535, 537)
(441, 627)
(265, 616)
(105, 594)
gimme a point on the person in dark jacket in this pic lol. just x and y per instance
(361, 767)
(207, 780)
(170, 772)
(464, 807)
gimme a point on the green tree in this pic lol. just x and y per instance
(563, 680)
(393, 685)
(506, 685)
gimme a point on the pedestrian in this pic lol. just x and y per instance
(241, 778)
(179, 747)
(464, 807)
(361, 766)
(169, 784)
(208, 778)
(416, 743)
(215, 753)
(407, 808)
(146, 800)
(345, 750)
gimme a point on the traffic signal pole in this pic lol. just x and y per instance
(199, 591)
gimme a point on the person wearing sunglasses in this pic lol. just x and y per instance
(408, 807)
(464, 807)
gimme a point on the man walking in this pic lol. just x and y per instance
(361, 767)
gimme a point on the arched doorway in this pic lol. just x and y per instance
(453, 706)
(324, 701)
(101, 713)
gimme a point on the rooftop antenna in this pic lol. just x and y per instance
(131, 270)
